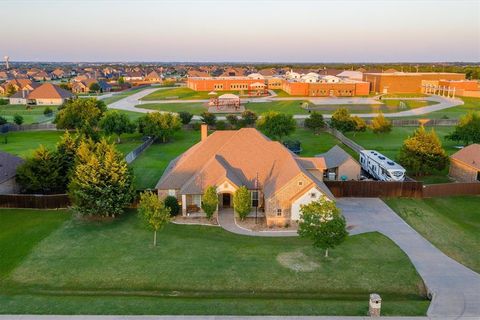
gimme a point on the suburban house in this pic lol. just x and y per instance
(83, 86)
(339, 165)
(465, 164)
(8, 171)
(279, 181)
(45, 94)
(153, 77)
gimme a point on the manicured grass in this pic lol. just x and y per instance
(182, 94)
(387, 106)
(24, 143)
(149, 166)
(196, 108)
(21, 230)
(202, 267)
(471, 104)
(404, 95)
(315, 144)
(390, 144)
(451, 223)
(120, 95)
(289, 107)
(32, 114)
(281, 94)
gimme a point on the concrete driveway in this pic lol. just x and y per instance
(455, 289)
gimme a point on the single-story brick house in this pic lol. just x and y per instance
(279, 181)
(45, 94)
(465, 164)
(8, 171)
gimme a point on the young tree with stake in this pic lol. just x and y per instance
(153, 212)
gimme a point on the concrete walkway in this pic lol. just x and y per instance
(129, 103)
(226, 220)
(455, 289)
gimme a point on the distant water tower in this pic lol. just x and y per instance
(6, 58)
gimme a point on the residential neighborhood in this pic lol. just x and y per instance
(224, 178)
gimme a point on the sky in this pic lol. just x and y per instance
(241, 31)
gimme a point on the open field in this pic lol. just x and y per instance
(195, 270)
(387, 106)
(471, 104)
(182, 94)
(390, 143)
(450, 223)
(32, 114)
(24, 143)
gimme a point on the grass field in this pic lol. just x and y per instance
(404, 95)
(450, 223)
(389, 144)
(24, 143)
(194, 270)
(33, 114)
(149, 166)
(181, 94)
(471, 104)
(387, 106)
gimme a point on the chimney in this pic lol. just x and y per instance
(204, 131)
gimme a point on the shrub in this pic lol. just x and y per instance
(221, 125)
(18, 119)
(196, 126)
(185, 117)
(172, 203)
(249, 117)
(2, 120)
(3, 102)
(209, 118)
(48, 112)
(210, 201)
(232, 119)
(242, 202)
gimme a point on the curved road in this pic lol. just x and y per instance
(129, 103)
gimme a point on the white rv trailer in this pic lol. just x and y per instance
(381, 167)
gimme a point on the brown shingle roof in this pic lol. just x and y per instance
(50, 91)
(236, 155)
(469, 155)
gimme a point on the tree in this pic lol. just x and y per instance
(11, 90)
(276, 125)
(117, 123)
(321, 222)
(172, 203)
(18, 119)
(360, 125)
(185, 117)
(380, 124)
(422, 153)
(82, 114)
(342, 121)
(208, 118)
(40, 173)
(66, 151)
(102, 182)
(467, 129)
(161, 125)
(121, 80)
(315, 122)
(210, 201)
(242, 202)
(153, 212)
(47, 112)
(94, 87)
(248, 118)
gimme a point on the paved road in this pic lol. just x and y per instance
(130, 102)
(227, 221)
(455, 289)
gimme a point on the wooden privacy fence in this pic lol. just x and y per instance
(451, 189)
(374, 189)
(53, 201)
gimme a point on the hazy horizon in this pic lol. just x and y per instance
(383, 31)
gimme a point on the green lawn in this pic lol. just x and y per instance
(315, 144)
(387, 106)
(112, 268)
(182, 94)
(149, 166)
(196, 108)
(471, 104)
(389, 144)
(451, 223)
(32, 114)
(121, 95)
(404, 95)
(24, 143)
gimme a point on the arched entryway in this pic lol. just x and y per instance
(225, 200)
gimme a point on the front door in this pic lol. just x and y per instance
(226, 200)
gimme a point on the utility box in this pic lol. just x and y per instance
(374, 305)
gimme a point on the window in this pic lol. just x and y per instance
(313, 195)
(300, 183)
(171, 192)
(197, 199)
(254, 198)
(279, 212)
